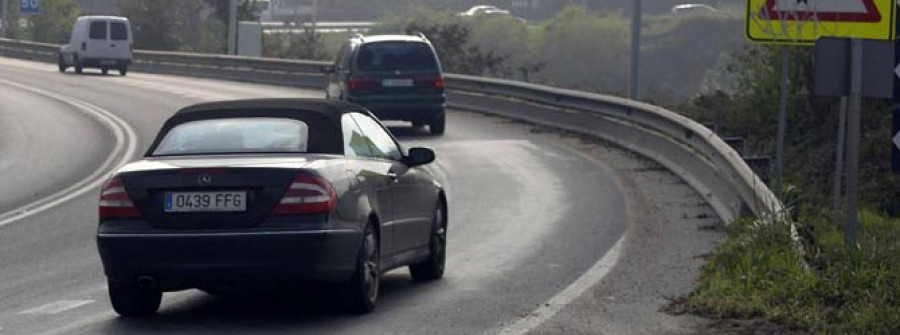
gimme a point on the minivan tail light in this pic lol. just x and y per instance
(115, 203)
(435, 82)
(307, 194)
(361, 83)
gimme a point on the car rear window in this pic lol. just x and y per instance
(98, 30)
(235, 135)
(387, 56)
(118, 31)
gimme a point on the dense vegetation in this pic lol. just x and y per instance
(756, 273)
(750, 109)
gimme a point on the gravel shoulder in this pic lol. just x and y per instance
(671, 231)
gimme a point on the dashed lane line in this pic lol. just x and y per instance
(56, 307)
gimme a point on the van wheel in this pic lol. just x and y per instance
(362, 290)
(123, 71)
(104, 71)
(437, 124)
(78, 66)
(62, 63)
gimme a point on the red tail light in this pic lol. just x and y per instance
(115, 203)
(435, 82)
(307, 195)
(361, 83)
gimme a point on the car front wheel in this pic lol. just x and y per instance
(433, 267)
(129, 300)
(123, 71)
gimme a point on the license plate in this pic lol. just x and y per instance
(108, 62)
(397, 82)
(223, 201)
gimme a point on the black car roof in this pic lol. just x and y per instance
(330, 108)
(325, 116)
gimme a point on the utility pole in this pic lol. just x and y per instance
(3, 18)
(633, 78)
(232, 27)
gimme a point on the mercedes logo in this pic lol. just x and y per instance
(204, 179)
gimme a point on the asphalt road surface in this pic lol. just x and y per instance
(528, 217)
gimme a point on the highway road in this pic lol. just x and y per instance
(529, 215)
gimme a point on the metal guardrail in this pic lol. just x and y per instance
(683, 146)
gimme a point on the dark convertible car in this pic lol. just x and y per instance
(274, 191)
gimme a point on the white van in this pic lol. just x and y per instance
(103, 42)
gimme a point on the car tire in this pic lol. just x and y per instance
(433, 267)
(123, 71)
(104, 71)
(62, 63)
(129, 300)
(79, 68)
(437, 125)
(362, 291)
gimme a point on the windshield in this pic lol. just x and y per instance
(386, 56)
(235, 135)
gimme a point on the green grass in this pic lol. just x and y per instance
(756, 273)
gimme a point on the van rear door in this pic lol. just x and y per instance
(98, 40)
(119, 40)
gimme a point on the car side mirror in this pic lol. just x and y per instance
(419, 156)
(327, 69)
(65, 39)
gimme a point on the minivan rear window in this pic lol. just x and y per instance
(98, 30)
(387, 56)
(118, 31)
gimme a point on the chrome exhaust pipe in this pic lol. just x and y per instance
(146, 282)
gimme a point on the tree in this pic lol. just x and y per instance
(55, 21)
(584, 51)
(175, 25)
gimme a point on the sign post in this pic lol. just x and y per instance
(895, 141)
(853, 130)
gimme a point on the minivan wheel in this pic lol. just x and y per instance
(436, 126)
(78, 67)
(433, 267)
(123, 71)
(362, 291)
(130, 300)
(104, 71)
(62, 63)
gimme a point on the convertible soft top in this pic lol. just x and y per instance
(323, 117)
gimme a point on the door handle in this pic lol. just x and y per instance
(393, 176)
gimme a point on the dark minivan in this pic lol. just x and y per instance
(397, 77)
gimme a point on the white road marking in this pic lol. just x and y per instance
(573, 291)
(125, 148)
(56, 307)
